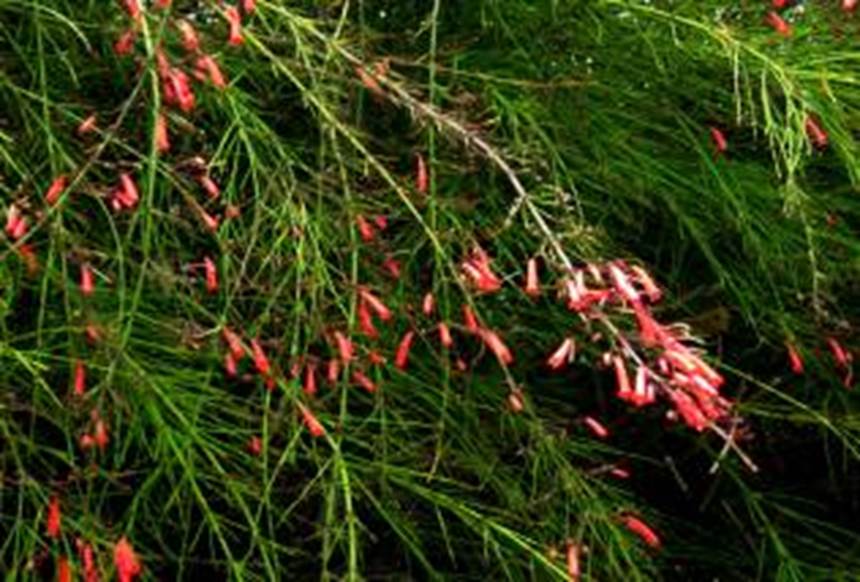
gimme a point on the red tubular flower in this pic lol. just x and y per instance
(211, 275)
(778, 24)
(651, 333)
(332, 371)
(849, 5)
(577, 297)
(160, 134)
(681, 358)
(20, 229)
(261, 362)
(87, 285)
(401, 358)
(344, 347)
(596, 427)
(816, 133)
(126, 561)
(445, 335)
(421, 179)
(207, 65)
(88, 561)
(87, 125)
(162, 64)
(365, 229)
(365, 321)
(580, 298)
(562, 355)
(477, 269)
(64, 570)
(392, 265)
(80, 378)
(719, 139)
(249, 6)
(376, 305)
(623, 285)
(255, 446)
(516, 401)
(779, 4)
(469, 319)
(210, 187)
(690, 412)
(652, 291)
(52, 527)
(572, 559)
(495, 344)
(230, 365)
(381, 221)
(840, 356)
(234, 19)
(710, 375)
(127, 194)
(310, 387)
(162, 4)
(16, 223)
(234, 343)
(180, 90)
(622, 380)
(125, 43)
(190, 40)
(363, 381)
(168, 90)
(210, 222)
(532, 287)
(700, 387)
(428, 305)
(314, 426)
(369, 81)
(100, 434)
(642, 530)
(133, 9)
(643, 392)
(375, 358)
(794, 359)
(55, 190)
(619, 473)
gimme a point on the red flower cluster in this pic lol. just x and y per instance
(654, 361)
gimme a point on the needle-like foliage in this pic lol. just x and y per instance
(238, 232)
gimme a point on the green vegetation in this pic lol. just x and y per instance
(576, 132)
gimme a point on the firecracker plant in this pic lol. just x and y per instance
(421, 290)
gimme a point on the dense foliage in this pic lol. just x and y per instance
(239, 234)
